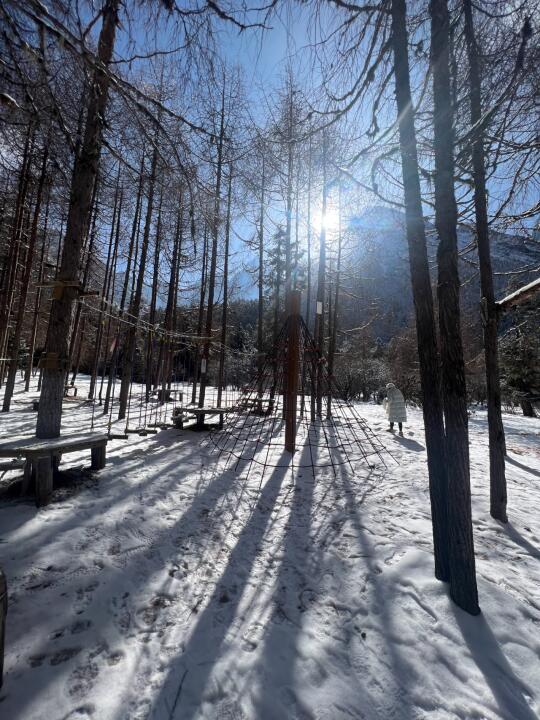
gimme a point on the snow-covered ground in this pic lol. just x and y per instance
(165, 587)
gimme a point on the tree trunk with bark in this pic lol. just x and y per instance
(111, 254)
(321, 281)
(127, 277)
(213, 264)
(82, 184)
(260, 287)
(153, 301)
(225, 312)
(135, 304)
(37, 300)
(497, 449)
(422, 295)
(12, 370)
(463, 588)
(9, 276)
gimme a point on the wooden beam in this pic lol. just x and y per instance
(519, 296)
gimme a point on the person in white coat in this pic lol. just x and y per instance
(394, 405)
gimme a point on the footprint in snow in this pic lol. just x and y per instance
(82, 679)
(121, 613)
(80, 626)
(252, 637)
(84, 596)
(83, 711)
(64, 655)
(150, 613)
(56, 658)
(115, 657)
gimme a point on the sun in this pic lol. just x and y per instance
(329, 221)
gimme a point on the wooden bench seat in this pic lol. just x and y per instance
(180, 414)
(43, 454)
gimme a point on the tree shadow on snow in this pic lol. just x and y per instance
(284, 625)
(518, 538)
(398, 703)
(508, 690)
(183, 689)
(214, 488)
(522, 466)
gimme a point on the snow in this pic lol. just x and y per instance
(166, 586)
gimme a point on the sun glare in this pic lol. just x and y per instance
(329, 221)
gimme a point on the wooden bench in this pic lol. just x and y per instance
(180, 414)
(43, 455)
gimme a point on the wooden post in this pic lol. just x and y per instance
(3, 613)
(44, 480)
(27, 477)
(291, 388)
(98, 457)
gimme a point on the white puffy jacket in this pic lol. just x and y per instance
(395, 404)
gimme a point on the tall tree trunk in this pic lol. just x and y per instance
(213, 263)
(127, 276)
(82, 184)
(496, 430)
(224, 315)
(166, 348)
(12, 372)
(9, 279)
(260, 287)
(111, 292)
(153, 301)
(321, 280)
(111, 253)
(135, 304)
(333, 336)
(37, 301)
(88, 252)
(289, 200)
(463, 588)
(200, 317)
(308, 242)
(422, 295)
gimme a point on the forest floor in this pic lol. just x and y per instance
(167, 587)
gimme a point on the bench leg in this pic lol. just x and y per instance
(3, 612)
(98, 457)
(44, 481)
(27, 477)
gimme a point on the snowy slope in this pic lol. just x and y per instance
(164, 587)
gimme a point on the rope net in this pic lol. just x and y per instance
(330, 432)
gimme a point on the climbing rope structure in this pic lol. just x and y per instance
(293, 413)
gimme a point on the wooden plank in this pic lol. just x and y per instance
(65, 443)
(204, 411)
(519, 296)
(12, 465)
